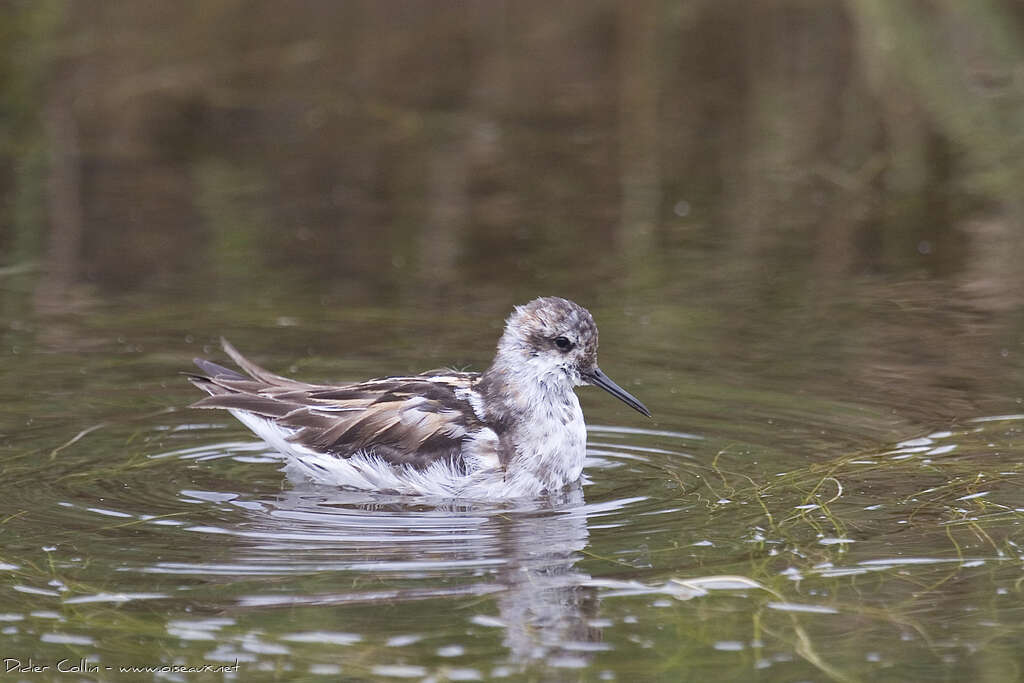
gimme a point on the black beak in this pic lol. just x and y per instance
(599, 379)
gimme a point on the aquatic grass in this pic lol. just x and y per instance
(965, 488)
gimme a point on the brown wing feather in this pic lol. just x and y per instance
(256, 371)
(405, 420)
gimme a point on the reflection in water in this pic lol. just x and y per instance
(546, 608)
(523, 553)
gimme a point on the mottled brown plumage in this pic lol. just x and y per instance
(407, 420)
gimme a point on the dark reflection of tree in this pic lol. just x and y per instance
(372, 111)
(63, 195)
(639, 129)
(363, 153)
(42, 226)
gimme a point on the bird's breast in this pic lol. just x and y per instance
(550, 442)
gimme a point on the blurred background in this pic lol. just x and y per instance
(813, 196)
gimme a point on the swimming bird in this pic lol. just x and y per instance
(515, 430)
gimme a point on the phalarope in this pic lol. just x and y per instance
(515, 430)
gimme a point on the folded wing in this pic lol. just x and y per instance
(404, 420)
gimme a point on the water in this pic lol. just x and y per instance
(802, 248)
(165, 537)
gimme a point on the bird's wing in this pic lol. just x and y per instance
(404, 420)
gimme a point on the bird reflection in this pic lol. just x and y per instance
(524, 554)
(546, 605)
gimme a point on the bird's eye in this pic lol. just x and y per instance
(563, 343)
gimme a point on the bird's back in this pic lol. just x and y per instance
(416, 421)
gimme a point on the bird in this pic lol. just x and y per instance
(515, 430)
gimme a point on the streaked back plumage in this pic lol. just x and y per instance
(411, 421)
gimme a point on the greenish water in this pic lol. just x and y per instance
(771, 545)
(797, 226)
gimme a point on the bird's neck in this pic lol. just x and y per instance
(538, 421)
(520, 391)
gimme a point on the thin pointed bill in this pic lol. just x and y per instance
(599, 379)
